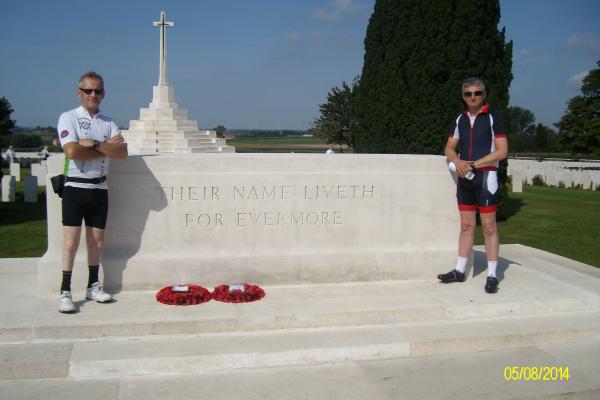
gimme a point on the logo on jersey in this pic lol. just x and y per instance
(64, 134)
(84, 123)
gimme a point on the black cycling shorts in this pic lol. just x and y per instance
(90, 205)
(480, 192)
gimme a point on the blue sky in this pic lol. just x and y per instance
(253, 64)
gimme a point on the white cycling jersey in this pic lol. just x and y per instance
(78, 124)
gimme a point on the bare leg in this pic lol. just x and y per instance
(490, 234)
(71, 235)
(95, 242)
(467, 233)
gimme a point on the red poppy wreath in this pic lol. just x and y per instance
(239, 293)
(185, 295)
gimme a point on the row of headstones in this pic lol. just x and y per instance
(31, 183)
(554, 173)
(30, 189)
(38, 170)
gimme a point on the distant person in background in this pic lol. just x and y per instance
(44, 153)
(476, 145)
(11, 157)
(88, 138)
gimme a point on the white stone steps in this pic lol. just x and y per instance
(162, 125)
(212, 352)
(163, 113)
(196, 142)
(304, 307)
(187, 354)
(34, 360)
(205, 149)
(430, 377)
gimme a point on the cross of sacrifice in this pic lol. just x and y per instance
(162, 80)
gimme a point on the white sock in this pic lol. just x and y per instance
(461, 264)
(492, 268)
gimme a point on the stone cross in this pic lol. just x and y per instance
(162, 80)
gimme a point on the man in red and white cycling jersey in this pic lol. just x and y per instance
(476, 144)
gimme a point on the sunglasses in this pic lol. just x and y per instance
(89, 91)
(471, 94)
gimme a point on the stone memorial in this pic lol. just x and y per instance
(40, 171)
(288, 218)
(15, 170)
(163, 127)
(30, 189)
(9, 185)
(181, 215)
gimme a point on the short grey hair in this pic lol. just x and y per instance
(92, 75)
(473, 82)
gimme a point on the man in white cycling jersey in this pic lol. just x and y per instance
(89, 139)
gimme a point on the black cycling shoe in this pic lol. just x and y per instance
(452, 276)
(491, 284)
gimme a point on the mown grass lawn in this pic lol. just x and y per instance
(23, 229)
(559, 220)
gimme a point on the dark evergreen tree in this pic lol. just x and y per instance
(220, 130)
(336, 123)
(417, 52)
(579, 128)
(6, 124)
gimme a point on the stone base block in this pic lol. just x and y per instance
(277, 218)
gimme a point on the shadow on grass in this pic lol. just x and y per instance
(511, 207)
(19, 212)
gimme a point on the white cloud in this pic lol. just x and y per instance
(587, 42)
(338, 9)
(293, 38)
(575, 81)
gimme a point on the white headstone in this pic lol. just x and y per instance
(15, 170)
(39, 171)
(9, 184)
(586, 181)
(31, 189)
(517, 181)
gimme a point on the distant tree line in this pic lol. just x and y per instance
(525, 136)
(579, 128)
(261, 133)
(21, 140)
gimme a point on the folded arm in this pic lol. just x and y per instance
(88, 149)
(115, 147)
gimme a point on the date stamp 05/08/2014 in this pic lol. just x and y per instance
(537, 373)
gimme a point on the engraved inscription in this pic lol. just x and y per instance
(265, 195)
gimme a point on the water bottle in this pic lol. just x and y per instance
(469, 175)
